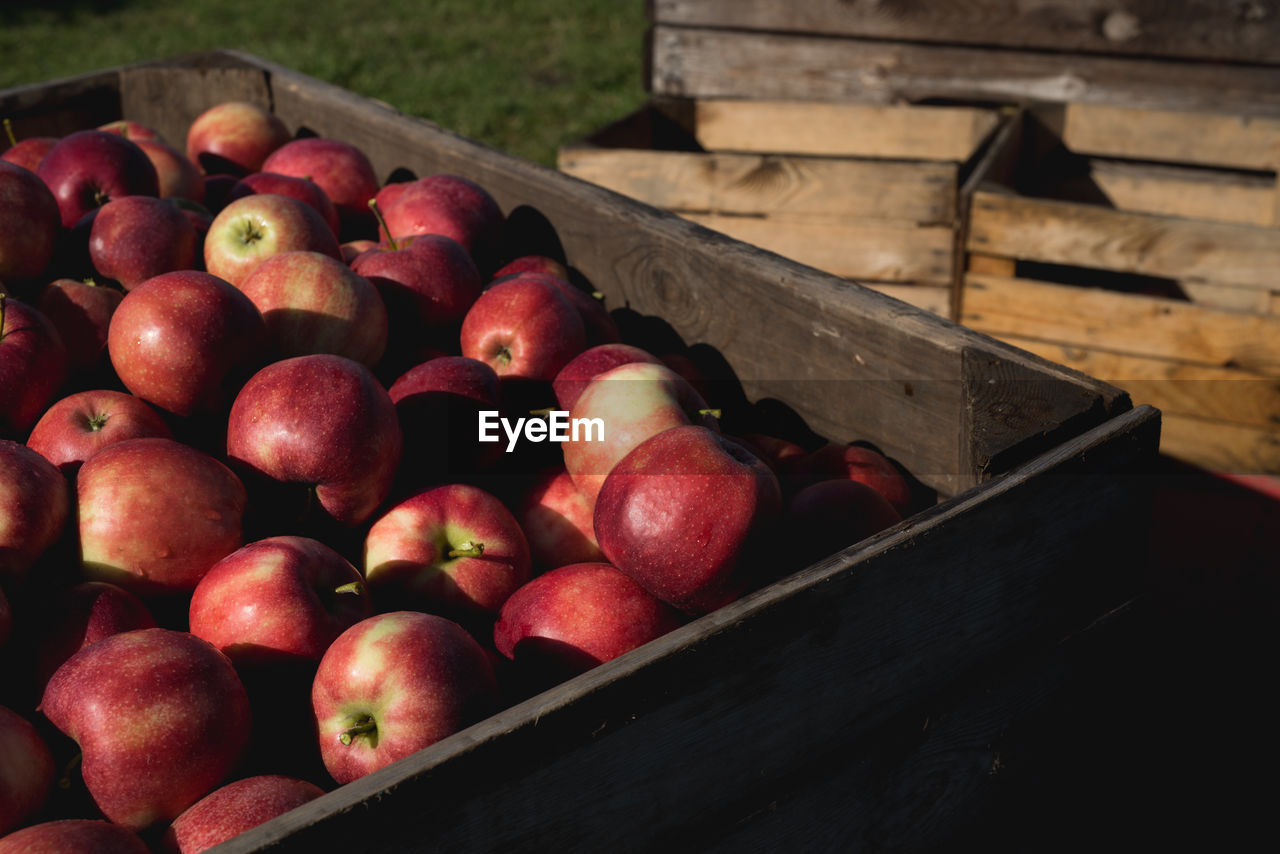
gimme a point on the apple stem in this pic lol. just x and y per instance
(599, 295)
(714, 413)
(468, 549)
(382, 223)
(8, 131)
(3, 297)
(97, 421)
(64, 781)
(353, 587)
(366, 725)
(542, 413)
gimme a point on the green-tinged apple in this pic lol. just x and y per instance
(26, 771)
(394, 684)
(30, 223)
(81, 615)
(341, 170)
(135, 238)
(234, 138)
(35, 504)
(130, 129)
(160, 717)
(451, 205)
(178, 177)
(279, 599)
(81, 312)
(298, 186)
(33, 366)
(590, 363)
(155, 514)
(826, 516)
(252, 228)
(557, 521)
(83, 423)
(313, 303)
(322, 425)
(689, 513)
(74, 836)
(88, 168)
(234, 808)
(525, 329)
(186, 341)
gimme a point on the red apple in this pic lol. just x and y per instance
(81, 312)
(160, 717)
(353, 249)
(130, 129)
(186, 341)
(89, 168)
(28, 152)
(234, 138)
(533, 264)
(84, 614)
(81, 424)
(445, 204)
(340, 169)
(179, 178)
(573, 378)
(557, 521)
(313, 303)
(596, 320)
(299, 187)
(252, 228)
(857, 462)
(686, 514)
(827, 516)
(322, 422)
(34, 506)
(30, 223)
(26, 771)
(136, 238)
(782, 455)
(279, 599)
(155, 515)
(523, 328)
(394, 684)
(234, 808)
(33, 365)
(74, 836)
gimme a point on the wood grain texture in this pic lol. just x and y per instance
(712, 63)
(58, 107)
(147, 90)
(1187, 29)
(1220, 446)
(933, 298)
(1212, 194)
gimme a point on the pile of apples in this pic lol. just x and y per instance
(255, 538)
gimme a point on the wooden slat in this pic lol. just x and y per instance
(759, 184)
(1188, 29)
(934, 298)
(1123, 323)
(1229, 297)
(1219, 446)
(710, 63)
(856, 249)
(843, 130)
(1084, 235)
(1194, 193)
(1210, 138)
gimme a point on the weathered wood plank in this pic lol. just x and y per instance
(1059, 232)
(1179, 136)
(1187, 29)
(1219, 446)
(710, 63)
(148, 91)
(58, 107)
(844, 130)
(934, 298)
(1123, 323)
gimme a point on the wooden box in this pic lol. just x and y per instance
(689, 739)
(1142, 246)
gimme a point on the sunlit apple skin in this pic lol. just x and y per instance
(856, 462)
(88, 168)
(407, 561)
(234, 138)
(179, 178)
(33, 366)
(574, 377)
(161, 719)
(341, 170)
(557, 521)
(135, 238)
(445, 204)
(82, 615)
(81, 312)
(155, 515)
(278, 600)
(234, 808)
(417, 678)
(596, 321)
(523, 328)
(35, 504)
(26, 771)
(251, 229)
(688, 514)
(73, 836)
(30, 222)
(533, 264)
(299, 187)
(28, 152)
(81, 424)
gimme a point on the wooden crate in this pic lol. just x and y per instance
(1141, 246)
(869, 192)
(1037, 470)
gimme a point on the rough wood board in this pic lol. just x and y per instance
(1188, 29)
(770, 184)
(59, 107)
(934, 298)
(1218, 446)
(1177, 136)
(904, 132)
(1084, 235)
(710, 63)
(1123, 323)
(1191, 193)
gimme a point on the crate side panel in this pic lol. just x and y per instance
(1177, 136)
(1223, 196)
(1221, 447)
(60, 107)
(170, 98)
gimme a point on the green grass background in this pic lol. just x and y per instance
(525, 76)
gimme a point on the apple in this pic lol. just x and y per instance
(860, 463)
(81, 615)
(782, 455)
(533, 264)
(826, 516)
(633, 401)
(83, 423)
(73, 836)
(394, 684)
(35, 504)
(445, 204)
(596, 320)
(28, 152)
(323, 423)
(252, 228)
(557, 521)
(155, 515)
(340, 169)
(161, 719)
(281, 598)
(26, 771)
(299, 187)
(81, 312)
(88, 168)
(234, 138)
(523, 328)
(178, 177)
(313, 303)
(454, 549)
(30, 223)
(234, 808)
(688, 513)
(577, 616)
(33, 365)
(130, 129)
(574, 377)
(186, 341)
(136, 238)
(353, 249)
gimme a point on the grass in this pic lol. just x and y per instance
(525, 76)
